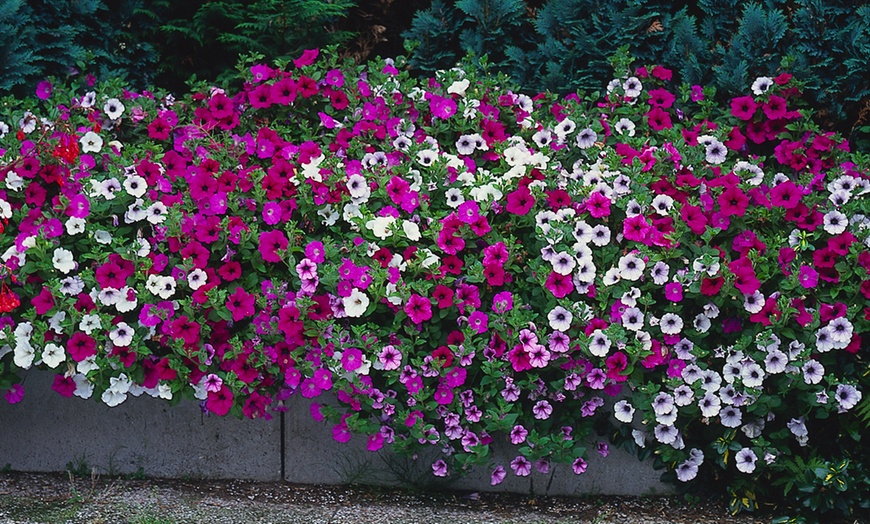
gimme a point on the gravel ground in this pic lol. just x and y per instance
(30, 498)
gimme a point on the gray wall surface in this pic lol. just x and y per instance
(45, 432)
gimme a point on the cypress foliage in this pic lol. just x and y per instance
(723, 43)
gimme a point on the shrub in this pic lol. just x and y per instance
(563, 46)
(457, 263)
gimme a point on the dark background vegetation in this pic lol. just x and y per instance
(557, 45)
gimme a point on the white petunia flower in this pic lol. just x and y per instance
(103, 237)
(156, 213)
(599, 343)
(761, 85)
(113, 108)
(632, 319)
(356, 304)
(411, 230)
(586, 138)
(835, 222)
(381, 226)
(745, 460)
(840, 330)
(135, 185)
(716, 152)
(89, 323)
(196, 279)
(632, 87)
(666, 434)
(5, 209)
(825, 340)
(23, 354)
(75, 225)
(600, 235)
(560, 318)
(122, 335)
(683, 395)
(623, 411)
(53, 355)
(563, 263)
(775, 362)
(752, 375)
(84, 387)
(659, 273)
(847, 397)
(671, 324)
(63, 260)
(358, 188)
(813, 372)
(631, 267)
(624, 126)
(91, 142)
(710, 405)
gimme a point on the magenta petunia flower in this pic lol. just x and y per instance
(308, 57)
(659, 119)
(351, 359)
(418, 308)
(636, 228)
(478, 321)
(495, 255)
(785, 194)
(597, 205)
(439, 468)
(579, 466)
(220, 402)
(442, 107)
(43, 90)
(743, 107)
(808, 276)
(733, 201)
(15, 394)
(272, 243)
(521, 466)
(498, 475)
(674, 291)
(240, 304)
(503, 302)
(559, 285)
(443, 395)
(43, 302)
(520, 201)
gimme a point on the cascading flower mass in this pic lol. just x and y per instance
(460, 265)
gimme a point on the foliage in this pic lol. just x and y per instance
(563, 46)
(459, 264)
(160, 42)
(56, 38)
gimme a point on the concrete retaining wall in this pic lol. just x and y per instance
(45, 432)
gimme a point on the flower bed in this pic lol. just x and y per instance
(456, 262)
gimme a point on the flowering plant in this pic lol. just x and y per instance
(457, 263)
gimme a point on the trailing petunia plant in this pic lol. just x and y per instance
(456, 266)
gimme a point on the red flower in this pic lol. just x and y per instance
(711, 286)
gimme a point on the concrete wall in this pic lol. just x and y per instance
(45, 432)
